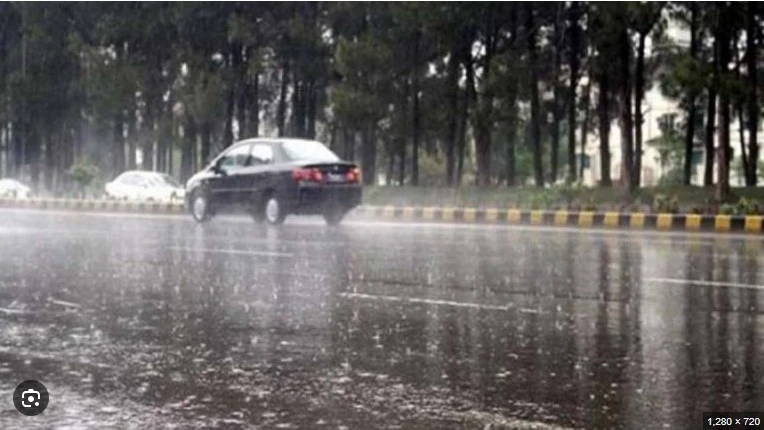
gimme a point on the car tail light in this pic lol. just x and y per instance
(307, 175)
(353, 175)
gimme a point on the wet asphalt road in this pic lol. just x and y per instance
(156, 322)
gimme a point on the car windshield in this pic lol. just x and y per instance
(308, 150)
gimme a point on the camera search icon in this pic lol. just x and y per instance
(30, 398)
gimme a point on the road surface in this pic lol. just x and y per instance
(156, 322)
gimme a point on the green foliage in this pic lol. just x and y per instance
(431, 169)
(746, 206)
(83, 172)
(665, 204)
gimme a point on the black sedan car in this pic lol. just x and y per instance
(273, 178)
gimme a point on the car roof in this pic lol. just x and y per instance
(11, 180)
(140, 172)
(275, 140)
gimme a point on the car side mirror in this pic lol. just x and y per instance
(216, 168)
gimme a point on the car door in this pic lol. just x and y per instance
(129, 186)
(226, 182)
(249, 179)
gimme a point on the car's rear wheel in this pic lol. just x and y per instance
(334, 216)
(200, 206)
(273, 210)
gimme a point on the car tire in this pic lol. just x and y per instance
(273, 209)
(200, 206)
(334, 216)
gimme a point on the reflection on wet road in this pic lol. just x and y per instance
(160, 323)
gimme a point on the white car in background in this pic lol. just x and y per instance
(139, 185)
(14, 189)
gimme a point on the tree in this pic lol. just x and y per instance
(647, 15)
(530, 37)
(575, 49)
(752, 39)
(723, 36)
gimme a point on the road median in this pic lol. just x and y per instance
(497, 216)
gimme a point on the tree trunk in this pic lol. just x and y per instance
(164, 138)
(311, 111)
(469, 99)
(689, 139)
(298, 107)
(390, 164)
(511, 170)
(172, 130)
(708, 175)
(33, 155)
(189, 142)
(511, 101)
(557, 93)
(149, 134)
(741, 131)
(753, 102)
(639, 92)
(50, 150)
(206, 135)
(369, 155)
(254, 107)
(573, 52)
(415, 114)
(118, 160)
(603, 112)
(403, 138)
(530, 34)
(452, 87)
(462, 141)
(723, 37)
(584, 128)
(228, 128)
(281, 110)
(132, 137)
(627, 128)
(349, 141)
(240, 69)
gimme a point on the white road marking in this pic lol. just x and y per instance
(63, 303)
(704, 283)
(233, 251)
(425, 301)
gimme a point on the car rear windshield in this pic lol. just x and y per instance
(163, 180)
(171, 181)
(308, 150)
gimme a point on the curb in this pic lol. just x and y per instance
(633, 221)
(93, 205)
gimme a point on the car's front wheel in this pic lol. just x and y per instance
(274, 210)
(200, 206)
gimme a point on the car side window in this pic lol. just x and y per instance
(262, 153)
(237, 158)
(129, 180)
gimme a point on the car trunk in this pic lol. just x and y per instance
(333, 172)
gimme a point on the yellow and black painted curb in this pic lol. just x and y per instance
(651, 221)
(94, 205)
